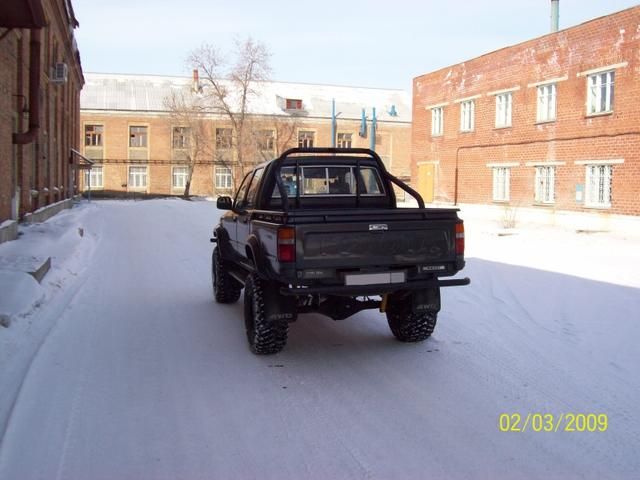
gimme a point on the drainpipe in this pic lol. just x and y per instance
(34, 91)
(555, 15)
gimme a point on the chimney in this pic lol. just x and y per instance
(196, 81)
(555, 15)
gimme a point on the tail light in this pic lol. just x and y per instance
(459, 238)
(286, 244)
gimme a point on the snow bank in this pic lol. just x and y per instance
(21, 293)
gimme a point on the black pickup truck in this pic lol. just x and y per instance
(318, 230)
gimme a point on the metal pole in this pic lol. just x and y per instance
(555, 15)
(333, 123)
(374, 123)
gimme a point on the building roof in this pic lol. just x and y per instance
(147, 93)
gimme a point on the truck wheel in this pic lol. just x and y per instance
(407, 326)
(225, 288)
(265, 337)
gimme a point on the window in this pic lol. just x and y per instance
(305, 139)
(598, 186)
(503, 109)
(137, 177)
(344, 140)
(600, 92)
(437, 121)
(467, 112)
(224, 138)
(293, 104)
(179, 177)
(336, 180)
(252, 191)
(93, 135)
(239, 201)
(266, 140)
(501, 184)
(223, 178)
(181, 136)
(545, 184)
(93, 178)
(138, 137)
(546, 103)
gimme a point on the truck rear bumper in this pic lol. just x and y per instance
(377, 289)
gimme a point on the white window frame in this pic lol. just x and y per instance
(600, 92)
(94, 177)
(306, 138)
(504, 102)
(179, 177)
(547, 101)
(598, 185)
(437, 121)
(344, 140)
(139, 179)
(223, 178)
(501, 183)
(545, 181)
(467, 115)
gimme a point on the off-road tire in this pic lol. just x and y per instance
(407, 326)
(264, 337)
(226, 289)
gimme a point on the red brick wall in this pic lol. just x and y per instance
(599, 43)
(42, 166)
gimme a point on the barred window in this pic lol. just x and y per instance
(501, 184)
(437, 121)
(598, 186)
(545, 184)
(546, 103)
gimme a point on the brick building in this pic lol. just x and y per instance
(138, 146)
(40, 82)
(549, 124)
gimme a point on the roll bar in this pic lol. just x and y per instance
(344, 152)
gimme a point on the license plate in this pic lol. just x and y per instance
(374, 278)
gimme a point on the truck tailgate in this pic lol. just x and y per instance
(376, 243)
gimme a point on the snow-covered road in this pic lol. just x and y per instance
(145, 377)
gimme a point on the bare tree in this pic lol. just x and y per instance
(191, 136)
(229, 84)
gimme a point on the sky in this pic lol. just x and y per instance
(373, 44)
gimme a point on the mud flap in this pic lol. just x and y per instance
(427, 300)
(277, 307)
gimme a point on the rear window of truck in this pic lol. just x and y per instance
(330, 181)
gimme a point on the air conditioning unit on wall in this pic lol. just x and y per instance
(60, 74)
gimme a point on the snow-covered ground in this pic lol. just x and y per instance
(122, 366)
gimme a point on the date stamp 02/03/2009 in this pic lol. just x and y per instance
(549, 422)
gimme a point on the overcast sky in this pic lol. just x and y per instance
(370, 43)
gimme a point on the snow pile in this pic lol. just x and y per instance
(21, 293)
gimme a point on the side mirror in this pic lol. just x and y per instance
(224, 203)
